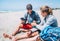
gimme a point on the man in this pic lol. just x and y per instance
(30, 17)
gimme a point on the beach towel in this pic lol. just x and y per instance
(50, 34)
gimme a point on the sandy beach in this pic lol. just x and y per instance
(11, 20)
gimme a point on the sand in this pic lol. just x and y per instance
(11, 20)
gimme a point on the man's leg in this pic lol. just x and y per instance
(38, 39)
(17, 29)
(21, 36)
(35, 38)
(7, 36)
(25, 35)
(34, 33)
(13, 34)
(18, 37)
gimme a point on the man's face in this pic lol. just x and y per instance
(22, 21)
(29, 11)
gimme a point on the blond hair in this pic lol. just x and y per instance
(48, 9)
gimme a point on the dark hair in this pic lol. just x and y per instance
(46, 9)
(22, 19)
(29, 7)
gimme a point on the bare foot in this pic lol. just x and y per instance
(7, 36)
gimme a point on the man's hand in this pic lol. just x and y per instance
(33, 23)
(24, 30)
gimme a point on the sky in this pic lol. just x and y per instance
(15, 5)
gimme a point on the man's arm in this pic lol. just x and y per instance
(37, 19)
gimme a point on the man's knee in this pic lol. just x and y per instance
(14, 39)
(21, 25)
(35, 33)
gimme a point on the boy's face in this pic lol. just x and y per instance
(29, 11)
